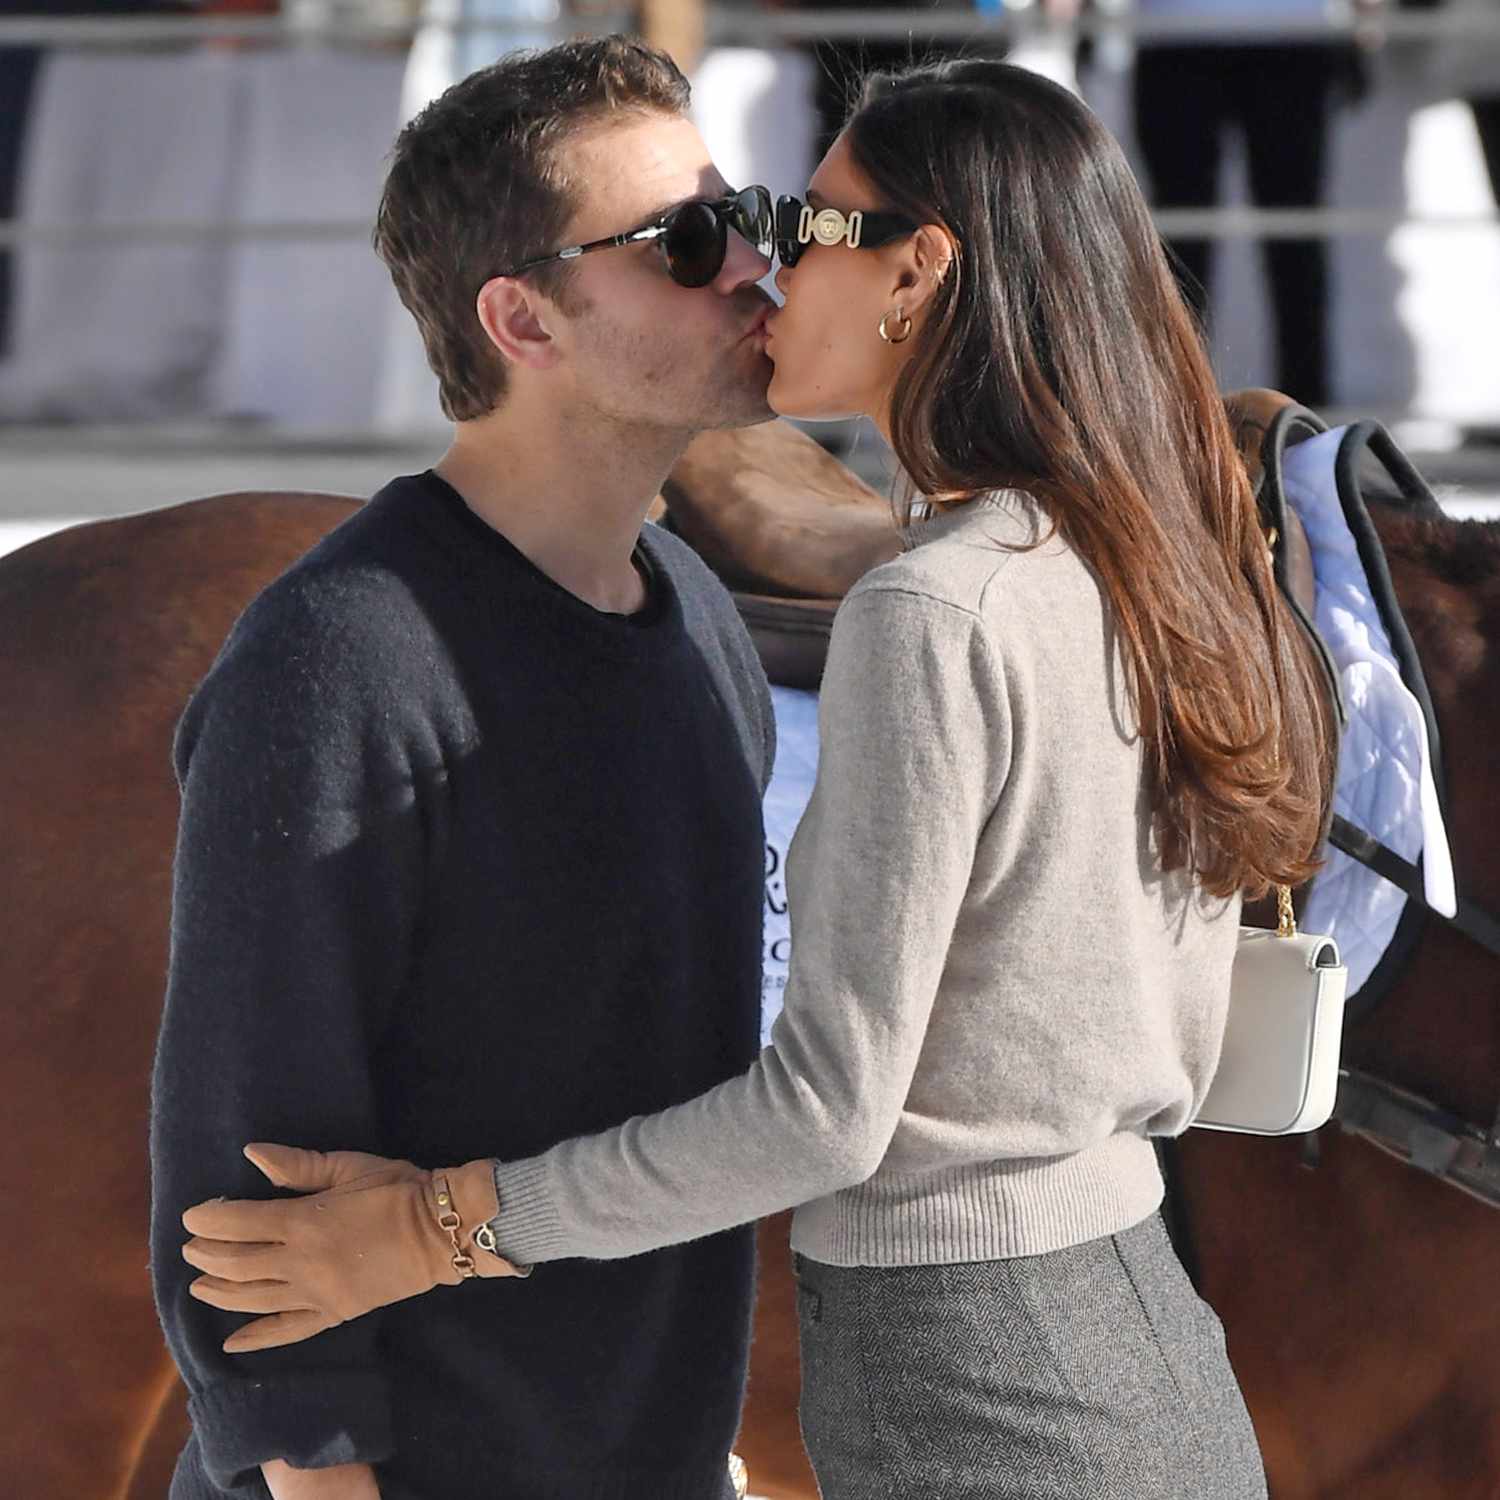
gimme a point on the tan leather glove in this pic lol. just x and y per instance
(371, 1232)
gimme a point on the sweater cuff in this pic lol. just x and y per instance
(313, 1419)
(527, 1228)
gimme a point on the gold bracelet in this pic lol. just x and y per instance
(449, 1220)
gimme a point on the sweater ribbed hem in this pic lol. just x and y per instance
(527, 1228)
(310, 1418)
(988, 1211)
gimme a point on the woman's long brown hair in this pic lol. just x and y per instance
(1062, 360)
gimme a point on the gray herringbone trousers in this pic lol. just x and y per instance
(1094, 1371)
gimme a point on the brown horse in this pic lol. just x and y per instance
(106, 629)
(1359, 1299)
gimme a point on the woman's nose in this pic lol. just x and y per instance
(783, 279)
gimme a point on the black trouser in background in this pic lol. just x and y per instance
(844, 62)
(1487, 121)
(1282, 97)
(841, 66)
(18, 67)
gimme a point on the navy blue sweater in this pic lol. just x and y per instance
(465, 867)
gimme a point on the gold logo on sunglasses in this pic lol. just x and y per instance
(828, 226)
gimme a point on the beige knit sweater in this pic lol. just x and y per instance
(995, 998)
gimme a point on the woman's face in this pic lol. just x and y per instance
(829, 359)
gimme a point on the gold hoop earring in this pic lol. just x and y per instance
(904, 327)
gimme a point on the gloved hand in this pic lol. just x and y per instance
(372, 1232)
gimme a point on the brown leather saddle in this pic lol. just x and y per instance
(787, 528)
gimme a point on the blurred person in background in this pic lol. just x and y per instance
(457, 37)
(1280, 92)
(1468, 64)
(18, 68)
(18, 73)
(1478, 59)
(843, 61)
(1486, 107)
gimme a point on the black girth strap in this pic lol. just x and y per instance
(1422, 1134)
(1473, 921)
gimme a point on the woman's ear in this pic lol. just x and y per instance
(927, 260)
(514, 318)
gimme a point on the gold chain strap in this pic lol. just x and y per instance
(449, 1220)
(1286, 917)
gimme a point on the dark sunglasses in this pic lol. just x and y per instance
(798, 225)
(694, 236)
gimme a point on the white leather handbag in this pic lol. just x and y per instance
(1278, 1072)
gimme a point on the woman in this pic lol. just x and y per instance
(1060, 736)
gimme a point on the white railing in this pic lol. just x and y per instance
(307, 24)
(384, 25)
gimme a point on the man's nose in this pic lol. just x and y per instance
(743, 263)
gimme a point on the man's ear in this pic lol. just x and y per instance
(515, 319)
(927, 258)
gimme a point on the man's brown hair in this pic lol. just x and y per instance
(478, 183)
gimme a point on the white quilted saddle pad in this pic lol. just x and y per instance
(1385, 776)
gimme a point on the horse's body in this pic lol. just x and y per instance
(107, 628)
(1360, 1299)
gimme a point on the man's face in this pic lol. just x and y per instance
(640, 349)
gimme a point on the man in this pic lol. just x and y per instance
(470, 854)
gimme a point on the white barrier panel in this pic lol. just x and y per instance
(754, 108)
(786, 801)
(406, 396)
(305, 322)
(121, 332)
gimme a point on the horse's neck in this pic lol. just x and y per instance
(1447, 579)
(1444, 1015)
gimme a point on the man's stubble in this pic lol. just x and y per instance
(658, 378)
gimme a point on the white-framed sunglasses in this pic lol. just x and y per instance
(799, 225)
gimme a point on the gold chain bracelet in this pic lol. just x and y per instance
(449, 1220)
